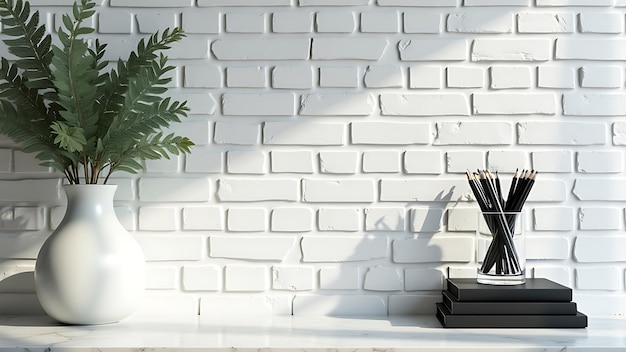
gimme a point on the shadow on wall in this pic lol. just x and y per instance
(17, 279)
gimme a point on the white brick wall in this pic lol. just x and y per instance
(332, 137)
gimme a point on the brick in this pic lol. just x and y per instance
(342, 249)
(150, 3)
(332, 2)
(381, 161)
(204, 160)
(6, 160)
(462, 220)
(384, 77)
(514, 103)
(423, 162)
(179, 190)
(245, 220)
(553, 219)
(292, 77)
(22, 219)
(547, 248)
(250, 247)
(423, 279)
(405, 304)
(426, 220)
(335, 22)
(245, 278)
(339, 77)
(161, 277)
(332, 162)
(202, 77)
(547, 190)
(263, 104)
(157, 219)
(418, 3)
(198, 103)
(292, 161)
(380, 22)
(599, 278)
(599, 249)
(25, 163)
(464, 77)
(245, 306)
(385, 219)
(608, 104)
(599, 161)
(507, 77)
(468, 133)
(424, 104)
(390, 133)
(619, 133)
(575, 2)
(162, 165)
(251, 190)
(556, 77)
(338, 305)
(323, 190)
(561, 133)
(337, 104)
(476, 22)
(39, 190)
(339, 219)
(291, 220)
(590, 49)
(461, 161)
(175, 307)
(435, 190)
(599, 218)
(206, 3)
(201, 22)
(151, 22)
(113, 23)
(600, 189)
(433, 250)
(507, 160)
(261, 49)
(171, 248)
(246, 77)
(425, 77)
(238, 133)
(201, 278)
(422, 22)
(546, 22)
(245, 22)
(20, 245)
(246, 162)
(601, 77)
(125, 215)
(553, 161)
(343, 278)
(292, 22)
(433, 49)
(202, 218)
(292, 278)
(511, 50)
(361, 48)
(307, 133)
(381, 278)
(496, 2)
(601, 22)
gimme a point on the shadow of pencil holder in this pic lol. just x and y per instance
(501, 248)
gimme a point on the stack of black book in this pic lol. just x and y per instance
(539, 303)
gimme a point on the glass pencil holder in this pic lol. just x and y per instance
(501, 248)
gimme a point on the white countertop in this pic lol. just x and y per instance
(398, 333)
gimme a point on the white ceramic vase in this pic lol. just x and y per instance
(90, 270)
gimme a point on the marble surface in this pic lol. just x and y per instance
(378, 333)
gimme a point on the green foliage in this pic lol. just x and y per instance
(61, 102)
